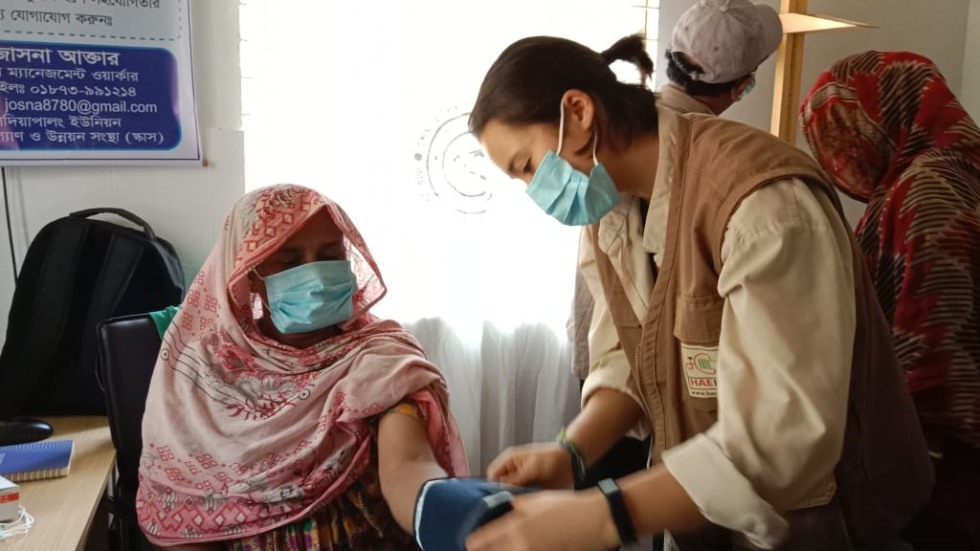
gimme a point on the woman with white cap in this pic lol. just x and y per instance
(714, 51)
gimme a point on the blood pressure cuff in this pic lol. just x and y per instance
(447, 510)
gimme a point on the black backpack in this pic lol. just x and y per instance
(78, 272)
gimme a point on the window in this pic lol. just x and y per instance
(367, 102)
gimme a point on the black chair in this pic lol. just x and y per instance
(128, 348)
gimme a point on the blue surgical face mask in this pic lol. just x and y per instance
(311, 296)
(568, 195)
(748, 88)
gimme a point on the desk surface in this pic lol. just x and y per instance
(63, 507)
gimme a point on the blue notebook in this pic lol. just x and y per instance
(36, 461)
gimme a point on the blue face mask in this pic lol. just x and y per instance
(568, 195)
(311, 296)
(748, 88)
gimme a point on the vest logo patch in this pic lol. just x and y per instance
(700, 370)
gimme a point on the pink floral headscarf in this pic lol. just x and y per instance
(243, 434)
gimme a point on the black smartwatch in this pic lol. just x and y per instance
(620, 515)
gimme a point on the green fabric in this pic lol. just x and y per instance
(162, 318)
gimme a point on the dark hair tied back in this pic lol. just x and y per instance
(526, 83)
(633, 50)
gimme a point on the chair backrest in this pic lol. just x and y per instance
(128, 348)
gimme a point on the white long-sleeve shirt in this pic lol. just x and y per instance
(784, 352)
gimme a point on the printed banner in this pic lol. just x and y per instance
(96, 82)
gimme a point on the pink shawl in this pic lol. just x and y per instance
(243, 434)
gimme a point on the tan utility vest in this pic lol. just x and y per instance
(884, 475)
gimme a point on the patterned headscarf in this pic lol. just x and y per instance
(242, 433)
(889, 132)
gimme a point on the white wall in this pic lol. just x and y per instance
(970, 91)
(186, 206)
(936, 30)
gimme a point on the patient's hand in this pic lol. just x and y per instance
(548, 466)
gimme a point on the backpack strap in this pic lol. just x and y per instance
(29, 349)
(121, 260)
(164, 250)
(171, 263)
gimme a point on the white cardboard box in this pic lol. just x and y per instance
(9, 500)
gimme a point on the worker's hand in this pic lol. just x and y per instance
(550, 521)
(547, 466)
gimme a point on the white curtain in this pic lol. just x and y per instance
(367, 101)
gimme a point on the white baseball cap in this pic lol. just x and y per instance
(726, 38)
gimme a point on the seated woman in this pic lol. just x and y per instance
(282, 414)
(890, 133)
